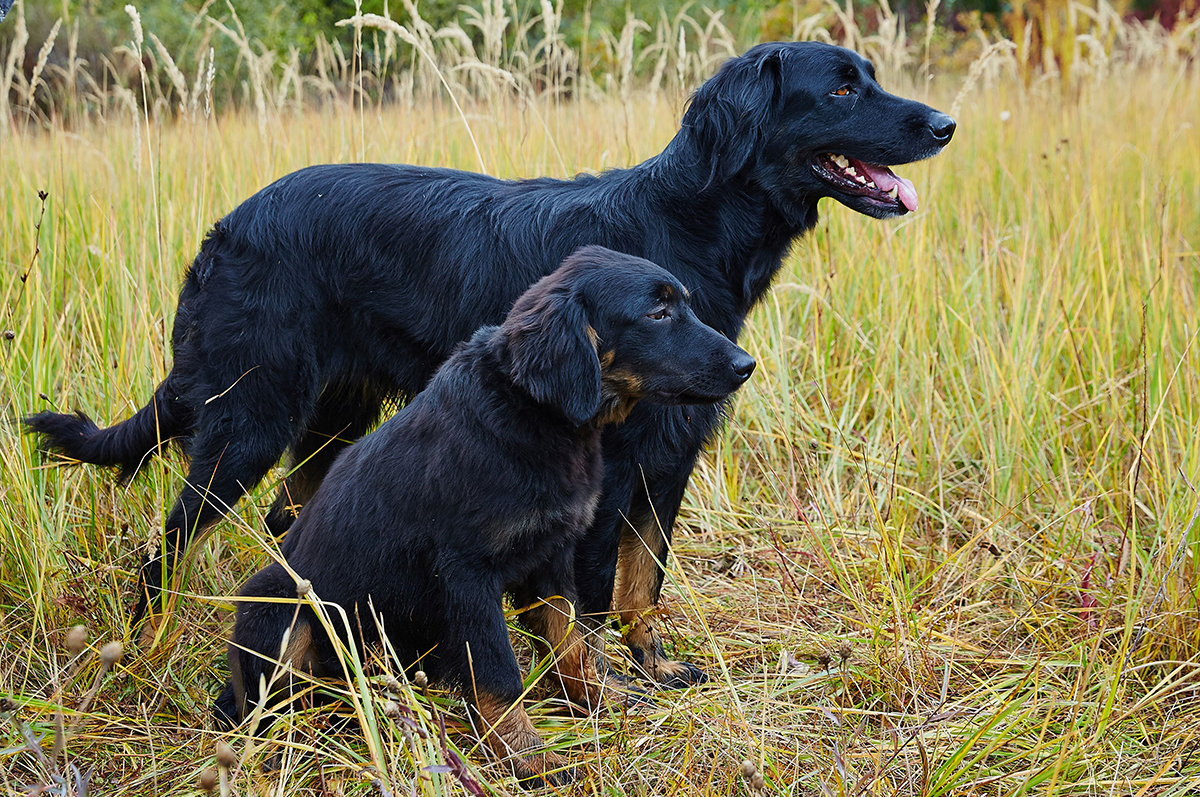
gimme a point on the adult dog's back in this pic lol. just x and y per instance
(338, 287)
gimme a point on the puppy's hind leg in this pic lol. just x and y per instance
(272, 652)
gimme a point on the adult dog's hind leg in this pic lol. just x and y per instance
(342, 416)
(644, 547)
(224, 466)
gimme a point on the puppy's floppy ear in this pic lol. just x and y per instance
(552, 350)
(728, 114)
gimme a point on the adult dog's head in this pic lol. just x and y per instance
(805, 120)
(607, 329)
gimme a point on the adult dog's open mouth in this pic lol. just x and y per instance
(868, 180)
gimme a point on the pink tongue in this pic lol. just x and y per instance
(885, 180)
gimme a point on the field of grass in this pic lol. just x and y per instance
(947, 543)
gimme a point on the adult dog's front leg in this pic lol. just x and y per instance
(642, 553)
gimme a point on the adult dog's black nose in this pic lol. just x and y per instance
(743, 365)
(942, 127)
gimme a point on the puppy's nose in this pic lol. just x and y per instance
(942, 127)
(743, 365)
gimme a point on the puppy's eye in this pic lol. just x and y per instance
(842, 92)
(658, 314)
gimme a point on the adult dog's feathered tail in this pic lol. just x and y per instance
(127, 445)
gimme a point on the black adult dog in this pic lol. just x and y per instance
(480, 486)
(339, 287)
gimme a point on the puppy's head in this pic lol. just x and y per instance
(607, 329)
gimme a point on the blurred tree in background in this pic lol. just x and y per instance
(282, 26)
(82, 54)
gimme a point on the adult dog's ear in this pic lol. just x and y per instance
(728, 115)
(552, 350)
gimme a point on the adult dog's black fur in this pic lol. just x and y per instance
(480, 486)
(338, 287)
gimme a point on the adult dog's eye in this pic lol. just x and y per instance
(658, 314)
(842, 92)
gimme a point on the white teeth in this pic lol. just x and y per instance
(860, 178)
(871, 184)
(895, 192)
(841, 161)
(850, 171)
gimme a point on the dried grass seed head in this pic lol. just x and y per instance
(77, 639)
(111, 653)
(225, 756)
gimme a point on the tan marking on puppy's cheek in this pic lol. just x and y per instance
(620, 390)
(593, 336)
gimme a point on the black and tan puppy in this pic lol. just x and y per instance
(480, 487)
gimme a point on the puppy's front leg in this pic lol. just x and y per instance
(479, 651)
(549, 601)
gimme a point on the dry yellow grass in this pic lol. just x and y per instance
(947, 544)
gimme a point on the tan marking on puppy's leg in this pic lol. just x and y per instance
(151, 622)
(574, 663)
(301, 653)
(510, 735)
(633, 598)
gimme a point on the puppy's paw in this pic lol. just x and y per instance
(225, 713)
(545, 770)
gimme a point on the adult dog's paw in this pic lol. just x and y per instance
(666, 673)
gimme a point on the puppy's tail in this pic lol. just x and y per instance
(127, 445)
(226, 712)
